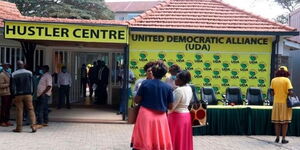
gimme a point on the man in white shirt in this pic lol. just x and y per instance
(43, 96)
(64, 82)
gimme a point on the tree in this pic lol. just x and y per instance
(290, 5)
(283, 19)
(73, 9)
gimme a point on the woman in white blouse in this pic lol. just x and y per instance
(179, 117)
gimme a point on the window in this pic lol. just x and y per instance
(130, 16)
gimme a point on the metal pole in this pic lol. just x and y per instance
(125, 85)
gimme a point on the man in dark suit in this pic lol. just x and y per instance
(102, 82)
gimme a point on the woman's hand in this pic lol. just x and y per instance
(137, 99)
(291, 92)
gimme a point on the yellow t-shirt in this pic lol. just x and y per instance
(281, 86)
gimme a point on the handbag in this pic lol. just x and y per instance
(133, 113)
(198, 114)
(293, 101)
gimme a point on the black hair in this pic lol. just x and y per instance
(159, 70)
(175, 68)
(149, 65)
(184, 76)
(46, 68)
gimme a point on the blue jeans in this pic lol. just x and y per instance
(123, 100)
(42, 109)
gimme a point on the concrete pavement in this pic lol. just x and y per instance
(88, 136)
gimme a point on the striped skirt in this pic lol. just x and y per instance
(281, 113)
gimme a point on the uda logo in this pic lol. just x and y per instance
(261, 82)
(189, 65)
(162, 56)
(198, 58)
(217, 58)
(235, 59)
(262, 67)
(244, 66)
(225, 66)
(225, 81)
(253, 59)
(198, 73)
(142, 72)
(133, 65)
(243, 82)
(143, 56)
(216, 74)
(234, 74)
(180, 57)
(207, 66)
(206, 81)
(252, 74)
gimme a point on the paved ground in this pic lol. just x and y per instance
(83, 136)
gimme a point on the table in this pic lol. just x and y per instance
(244, 120)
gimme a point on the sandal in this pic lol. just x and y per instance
(33, 128)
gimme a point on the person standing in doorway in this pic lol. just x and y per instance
(43, 96)
(92, 74)
(102, 82)
(64, 82)
(83, 79)
(5, 95)
(22, 90)
(281, 115)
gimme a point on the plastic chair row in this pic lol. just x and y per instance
(233, 96)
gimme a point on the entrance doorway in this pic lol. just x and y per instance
(73, 60)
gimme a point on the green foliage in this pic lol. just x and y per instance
(73, 9)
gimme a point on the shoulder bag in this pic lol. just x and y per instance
(197, 110)
(293, 101)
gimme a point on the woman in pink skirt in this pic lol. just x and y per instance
(151, 130)
(179, 116)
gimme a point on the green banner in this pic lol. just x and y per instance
(229, 61)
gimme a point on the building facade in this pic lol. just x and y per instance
(220, 45)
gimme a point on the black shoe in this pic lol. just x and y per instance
(119, 113)
(69, 107)
(17, 131)
(284, 141)
(277, 140)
